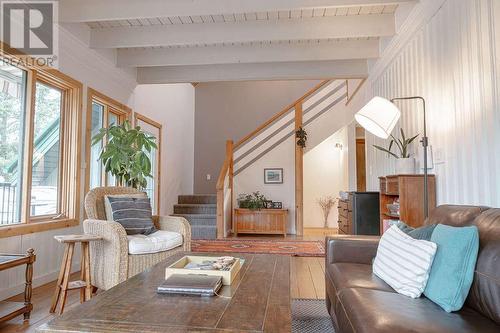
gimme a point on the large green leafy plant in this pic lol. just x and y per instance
(402, 144)
(125, 155)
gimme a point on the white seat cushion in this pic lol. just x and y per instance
(158, 241)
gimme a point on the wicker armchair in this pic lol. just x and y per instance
(110, 260)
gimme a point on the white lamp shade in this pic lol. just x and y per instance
(378, 117)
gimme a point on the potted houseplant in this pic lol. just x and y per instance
(405, 164)
(254, 201)
(125, 154)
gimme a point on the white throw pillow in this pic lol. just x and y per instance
(403, 262)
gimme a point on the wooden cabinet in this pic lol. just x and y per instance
(409, 189)
(345, 217)
(264, 221)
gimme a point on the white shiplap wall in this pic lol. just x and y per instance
(453, 60)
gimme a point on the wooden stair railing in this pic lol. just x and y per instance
(224, 186)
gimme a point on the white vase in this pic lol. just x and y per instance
(405, 166)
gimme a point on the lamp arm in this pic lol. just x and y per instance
(425, 144)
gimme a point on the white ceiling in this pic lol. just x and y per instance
(209, 40)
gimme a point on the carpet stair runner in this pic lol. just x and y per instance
(200, 211)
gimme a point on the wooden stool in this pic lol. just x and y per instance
(63, 283)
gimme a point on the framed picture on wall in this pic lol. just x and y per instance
(273, 176)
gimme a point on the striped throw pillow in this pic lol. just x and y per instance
(403, 262)
(133, 213)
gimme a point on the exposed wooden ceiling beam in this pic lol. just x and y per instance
(247, 31)
(243, 72)
(104, 10)
(255, 53)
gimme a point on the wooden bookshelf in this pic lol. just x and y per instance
(410, 191)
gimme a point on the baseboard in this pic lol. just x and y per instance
(37, 281)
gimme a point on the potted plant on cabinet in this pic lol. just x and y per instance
(254, 201)
(405, 164)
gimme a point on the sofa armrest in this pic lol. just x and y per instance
(177, 224)
(109, 256)
(351, 249)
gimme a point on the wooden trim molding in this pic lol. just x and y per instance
(31, 228)
(147, 120)
(110, 105)
(299, 176)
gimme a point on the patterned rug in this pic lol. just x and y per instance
(310, 316)
(285, 247)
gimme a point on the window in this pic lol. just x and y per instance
(12, 118)
(45, 176)
(153, 128)
(102, 112)
(40, 111)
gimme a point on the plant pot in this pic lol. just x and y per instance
(405, 166)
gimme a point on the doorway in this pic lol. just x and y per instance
(360, 160)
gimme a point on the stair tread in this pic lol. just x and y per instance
(197, 199)
(201, 216)
(196, 205)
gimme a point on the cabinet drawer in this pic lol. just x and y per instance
(343, 204)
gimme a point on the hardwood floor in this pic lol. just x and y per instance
(307, 279)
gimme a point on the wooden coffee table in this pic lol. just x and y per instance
(257, 301)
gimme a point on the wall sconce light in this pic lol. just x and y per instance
(339, 146)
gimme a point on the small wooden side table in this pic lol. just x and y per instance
(9, 310)
(63, 283)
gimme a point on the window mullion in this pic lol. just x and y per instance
(104, 175)
(28, 147)
(64, 148)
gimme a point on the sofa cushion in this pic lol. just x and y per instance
(370, 311)
(484, 295)
(345, 275)
(158, 241)
(453, 269)
(454, 215)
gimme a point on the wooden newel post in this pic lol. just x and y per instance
(229, 155)
(299, 175)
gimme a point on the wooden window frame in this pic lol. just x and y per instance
(70, 148)
(110, 105)
(149, 121)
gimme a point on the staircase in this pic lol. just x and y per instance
(200, 211)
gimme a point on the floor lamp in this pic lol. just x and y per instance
(379, 116)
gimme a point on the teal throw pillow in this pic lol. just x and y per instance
(452, 271)
(423, 233)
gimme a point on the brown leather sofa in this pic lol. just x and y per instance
(358, 301)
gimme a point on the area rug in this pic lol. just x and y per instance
(291, 247)
(310, 315)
